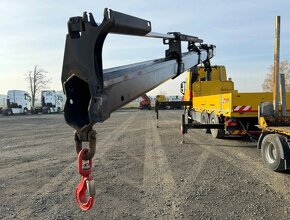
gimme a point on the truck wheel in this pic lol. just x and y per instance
(9, 112)
(48, 111)
(216, 133)
(204, 120)
(25, 111)
(271, 152)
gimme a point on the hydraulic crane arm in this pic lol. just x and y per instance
(93, 93)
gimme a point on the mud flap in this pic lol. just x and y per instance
(261, 137)
(283, 145)
(286, 151)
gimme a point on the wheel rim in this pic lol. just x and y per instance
(271, 153)
(203, 121)
(214, 131)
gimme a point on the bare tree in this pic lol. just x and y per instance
(37, 81)
(267, 85)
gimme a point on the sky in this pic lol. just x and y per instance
(33, 33)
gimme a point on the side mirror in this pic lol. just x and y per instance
(182, 87)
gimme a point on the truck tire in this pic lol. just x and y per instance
(25, 111)
(48, 111)
(204, 120)
(9, 112)
(216, 133)
(271, 152)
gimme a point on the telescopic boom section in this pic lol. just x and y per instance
(93, 93)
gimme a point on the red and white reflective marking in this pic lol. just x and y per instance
(238, 132)
(242, 108)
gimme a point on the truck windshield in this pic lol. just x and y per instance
(27, 97)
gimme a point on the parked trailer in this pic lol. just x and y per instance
(275, 137)
(174, 99)
(171, 105)
(18, 102)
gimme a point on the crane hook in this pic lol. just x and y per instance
(86, 184)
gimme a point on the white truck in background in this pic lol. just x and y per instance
(3, 102)
(51, 102)
(62, 98)
(18, 102)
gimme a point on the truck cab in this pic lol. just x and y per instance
(161, 99)
(51, 102)
(198, 83)
(18, 102)
(144, 102)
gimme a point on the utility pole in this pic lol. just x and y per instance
(276, 67)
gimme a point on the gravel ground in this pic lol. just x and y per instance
(141, 172)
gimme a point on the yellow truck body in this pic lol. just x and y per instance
(233, 104)
(220, 97)
(215, 101)
(161, 98)
(213, 104)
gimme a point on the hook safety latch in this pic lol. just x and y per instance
(87, 185)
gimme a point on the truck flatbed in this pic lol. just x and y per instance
(279, 124)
